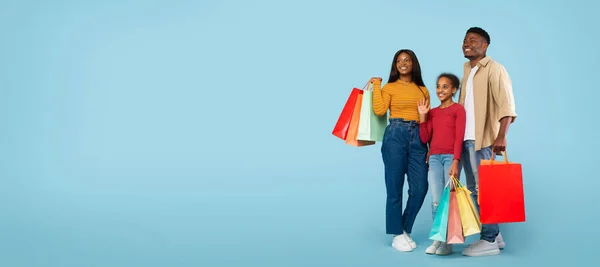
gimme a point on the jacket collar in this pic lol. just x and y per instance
(482, 63)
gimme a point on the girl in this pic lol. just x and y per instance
(402, 150)
(444, 129)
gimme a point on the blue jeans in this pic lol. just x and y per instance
(403, 154)
(470, 160)
(439, 167)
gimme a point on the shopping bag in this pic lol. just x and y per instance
(455, 231)
(439, 229)
(354, 122)
(469, 219)
(501, 196)
(343, 123)
(371, 126)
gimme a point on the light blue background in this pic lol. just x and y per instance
(198, 133)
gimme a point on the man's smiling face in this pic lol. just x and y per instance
(474, 46)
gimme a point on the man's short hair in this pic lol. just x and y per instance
(481, 32)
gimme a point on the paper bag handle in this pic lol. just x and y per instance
(456, 182)
(494, 154)
(366, 86)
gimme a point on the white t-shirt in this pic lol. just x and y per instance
(470, 106)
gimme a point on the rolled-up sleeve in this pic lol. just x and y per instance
(502, 93)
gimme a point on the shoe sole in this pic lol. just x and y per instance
(429, 253)
(401, 249)
(485, 253)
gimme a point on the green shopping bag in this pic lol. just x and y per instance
(370, 127)
(439, 229)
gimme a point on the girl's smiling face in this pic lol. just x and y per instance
(444, 89)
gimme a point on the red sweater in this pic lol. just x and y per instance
(444, 130)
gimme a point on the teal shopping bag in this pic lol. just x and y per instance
(439, 229)
(370, 127)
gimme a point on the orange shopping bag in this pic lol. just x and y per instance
(501, 197)
(351, 139)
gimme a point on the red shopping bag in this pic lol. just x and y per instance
(351, 138)
(501, 197)
(343, 123)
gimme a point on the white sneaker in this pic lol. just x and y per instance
(401, 243)
(444, 249)
(500, 241)
(431, 249)
(411, 242)
(482, 248)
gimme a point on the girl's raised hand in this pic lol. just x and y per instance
(423, 106)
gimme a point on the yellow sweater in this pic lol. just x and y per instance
(400, 98)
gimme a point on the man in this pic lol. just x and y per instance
(490, 108)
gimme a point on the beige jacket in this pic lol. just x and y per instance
(492, 90)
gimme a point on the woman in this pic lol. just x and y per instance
(402, 150)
